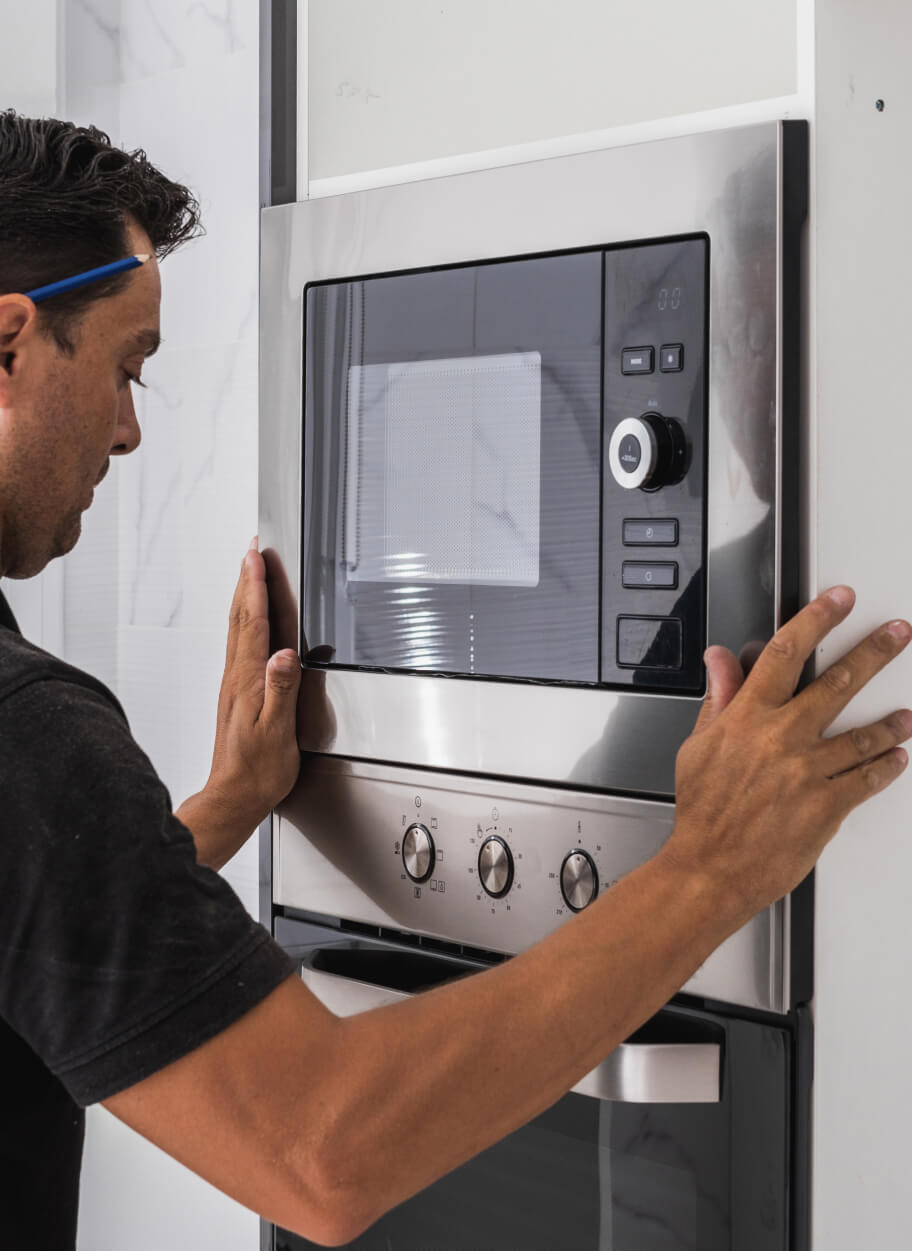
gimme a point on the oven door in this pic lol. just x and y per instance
(678, 1141)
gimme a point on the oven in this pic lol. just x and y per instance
(529, 440)
(679, 1139)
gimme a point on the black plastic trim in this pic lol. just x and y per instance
(279, 100)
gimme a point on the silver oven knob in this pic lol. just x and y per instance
(418, 853)
(579, 880)
(495, 866)
(648, 452)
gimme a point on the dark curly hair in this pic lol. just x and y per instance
(65, 194)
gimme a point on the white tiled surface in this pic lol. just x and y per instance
(148, 588)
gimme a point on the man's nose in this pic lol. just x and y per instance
(127, 434)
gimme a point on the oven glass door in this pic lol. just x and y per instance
(598, 1174)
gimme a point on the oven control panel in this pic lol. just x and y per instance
(491, 865)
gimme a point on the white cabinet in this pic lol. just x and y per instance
(394, 82)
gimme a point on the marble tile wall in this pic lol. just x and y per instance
(147, 590)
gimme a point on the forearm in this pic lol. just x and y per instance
(415, 1089)
(219, 828)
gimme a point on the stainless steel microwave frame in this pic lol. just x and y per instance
(745, 190)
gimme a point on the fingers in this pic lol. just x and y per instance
(282, 602)
(777, 669)
(856, 747)
(724, 678)
(248, 621)
(860, 784)
(825, 698)
(283, 677)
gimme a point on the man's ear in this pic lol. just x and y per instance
(18, 325)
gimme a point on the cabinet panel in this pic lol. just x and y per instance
(392, 82)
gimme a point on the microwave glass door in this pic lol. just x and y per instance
(459, 516)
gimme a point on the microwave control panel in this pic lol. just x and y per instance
(654, 450)
(491, 865)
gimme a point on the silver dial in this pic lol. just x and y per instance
(579, 880)
(647, 452)
(418, 852)
(633, 452)
(495, 866)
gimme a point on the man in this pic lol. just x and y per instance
(129, 972)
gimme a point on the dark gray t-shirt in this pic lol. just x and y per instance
(118, 952)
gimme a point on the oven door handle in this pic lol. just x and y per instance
(666, 1072)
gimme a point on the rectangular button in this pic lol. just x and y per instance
(637, 360)
(671, 358)
(648, 533)
(654, 576)
(650, 643)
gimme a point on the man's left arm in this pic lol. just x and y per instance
(256, 759)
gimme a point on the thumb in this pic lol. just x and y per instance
(283, 677)
(724, 679)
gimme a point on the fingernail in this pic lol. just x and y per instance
(902, 756)
(286, 662)
(253, 543)
(905, 720)
(900, 630)
(841, 596)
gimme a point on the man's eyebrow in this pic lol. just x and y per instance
(145, 341)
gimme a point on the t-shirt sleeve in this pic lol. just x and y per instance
(118, 952)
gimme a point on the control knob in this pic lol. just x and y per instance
(579, 880)
(647, 452)
(418, 852)
(495, 866)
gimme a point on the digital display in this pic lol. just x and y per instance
(670, 298)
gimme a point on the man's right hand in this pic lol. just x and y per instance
(759, 790)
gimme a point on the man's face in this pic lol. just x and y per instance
(62, 416)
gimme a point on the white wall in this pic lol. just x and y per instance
(28, 56)
(28, 83)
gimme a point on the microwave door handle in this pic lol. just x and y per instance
(632, 1073)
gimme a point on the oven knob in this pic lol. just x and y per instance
(418, 853)
(495, 866)
(579, 880)
(647, 452)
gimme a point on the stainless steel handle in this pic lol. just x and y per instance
(632, 1073)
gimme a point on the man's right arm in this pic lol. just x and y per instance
(322, 1124)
